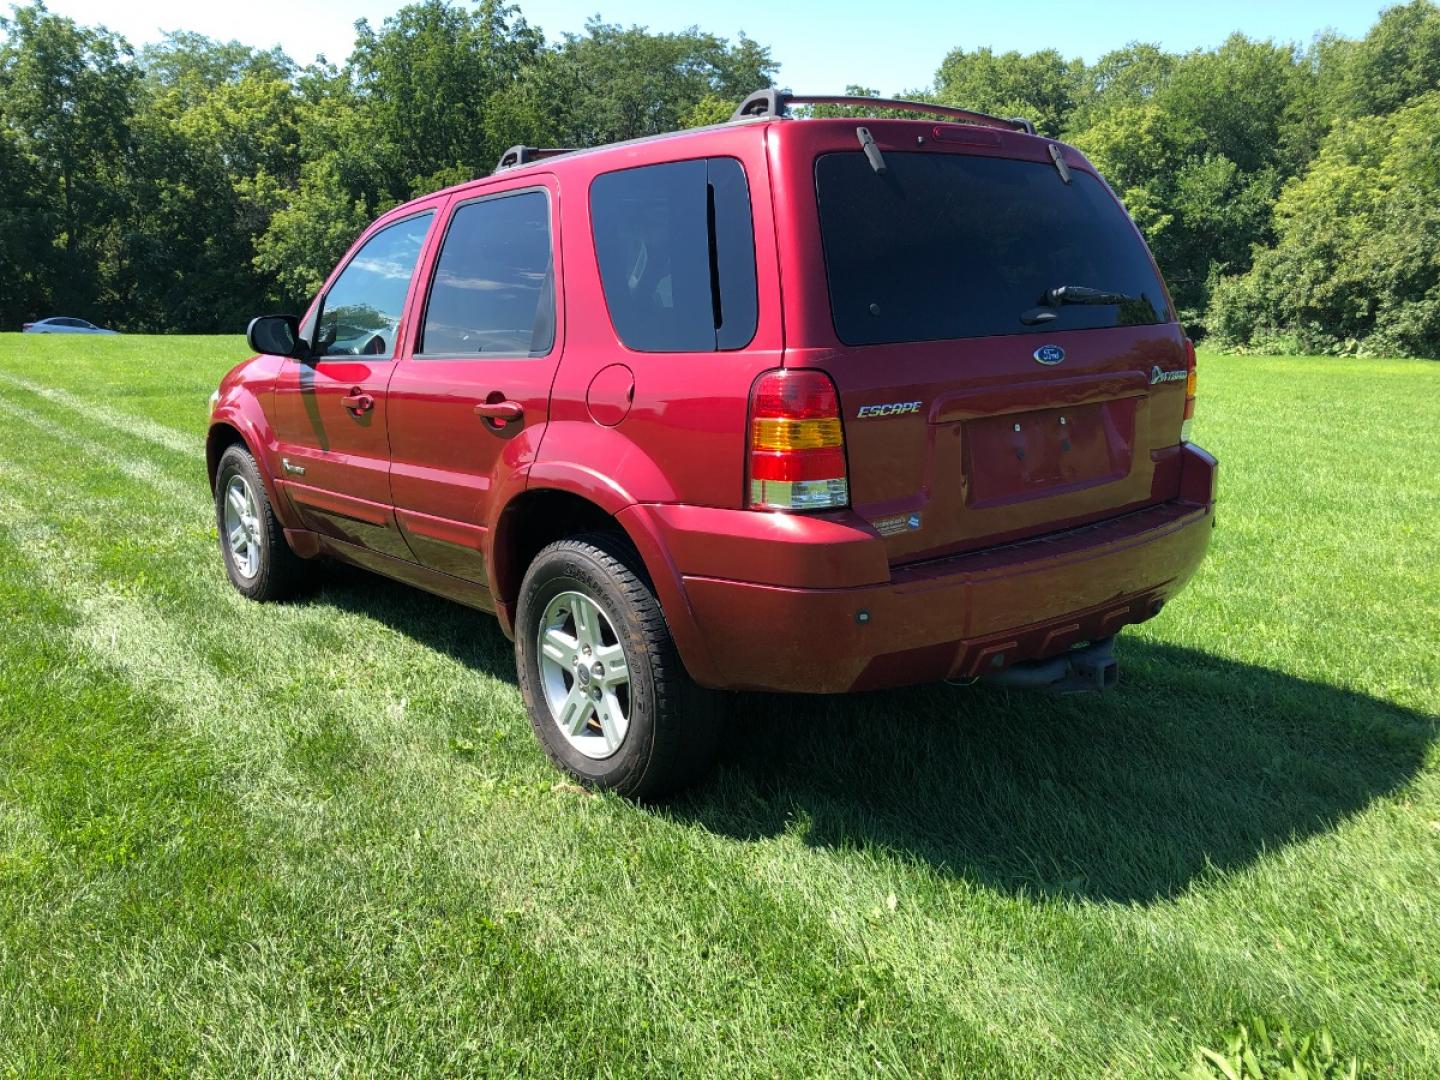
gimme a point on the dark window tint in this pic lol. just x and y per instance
(954, 246)
(732, 248)
(494, 288)
(676, 247)
(362, 310)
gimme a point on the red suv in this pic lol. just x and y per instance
(814, 405)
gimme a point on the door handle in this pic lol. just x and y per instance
(357, 402)
(501, 412)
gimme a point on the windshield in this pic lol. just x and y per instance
(957, 246)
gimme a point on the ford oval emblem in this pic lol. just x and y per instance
(1049, 354)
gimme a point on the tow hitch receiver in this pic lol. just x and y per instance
(1092, 667)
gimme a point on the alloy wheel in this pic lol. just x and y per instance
(242, 526)
(584, 674)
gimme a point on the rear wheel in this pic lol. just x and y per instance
(603, 683)
(252, 542)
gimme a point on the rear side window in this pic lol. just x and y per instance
(676, 248)
(362, 310)
(493, 292)
(955, 246)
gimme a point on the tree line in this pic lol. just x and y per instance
(1288, 192)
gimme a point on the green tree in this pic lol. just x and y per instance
(66, 97)
(310, 230)
(195, 64)
(1396, 61)
(1133, 75)
(433, 80)
(1240, 96)
(25, 247)
(1356, 264)
(215, 134)
(428, 100)
(612, 83)
(1042, 86)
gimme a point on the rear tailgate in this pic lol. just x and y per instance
(1014, 449)
(978, 407)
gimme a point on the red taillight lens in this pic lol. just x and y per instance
(794, 395)
(1190, 383)
(797, 443)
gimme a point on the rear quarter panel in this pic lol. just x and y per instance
(683, 437)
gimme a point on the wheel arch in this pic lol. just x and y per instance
(221, 436)
(229, 430)
(541, 515)
(530, 520)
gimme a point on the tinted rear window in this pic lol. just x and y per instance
(676, 247)
(954, 246)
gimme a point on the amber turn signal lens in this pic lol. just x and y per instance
(775, 433)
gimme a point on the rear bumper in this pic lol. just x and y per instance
(964, 616)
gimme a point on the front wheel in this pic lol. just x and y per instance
(257, 558)
(602, 681)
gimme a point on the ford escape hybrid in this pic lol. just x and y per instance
(785, 404)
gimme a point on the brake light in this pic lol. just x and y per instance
(797, 444)
(1190, 382)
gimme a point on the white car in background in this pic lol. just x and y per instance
(62, 325)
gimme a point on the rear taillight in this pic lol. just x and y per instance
(797, 445)
(1189, 390)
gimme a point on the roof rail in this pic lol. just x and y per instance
(776, 103)
(524, 155)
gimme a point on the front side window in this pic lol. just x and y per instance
(361, 313)
(958, 246)
(494, 288)
(676, 248)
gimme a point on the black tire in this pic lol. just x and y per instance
(674, 725)
(278, 573)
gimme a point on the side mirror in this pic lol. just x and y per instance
(276, 335)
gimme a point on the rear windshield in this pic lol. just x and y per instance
(958, 246)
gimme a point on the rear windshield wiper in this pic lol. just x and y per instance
(1072, 294)
(1080, 294)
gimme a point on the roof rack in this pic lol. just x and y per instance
(524, 155)
(776, 103)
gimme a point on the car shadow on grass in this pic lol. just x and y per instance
(448, 627)
(1193, 765)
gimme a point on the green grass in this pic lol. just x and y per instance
(319, 838)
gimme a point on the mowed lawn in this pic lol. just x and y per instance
(319, 838)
